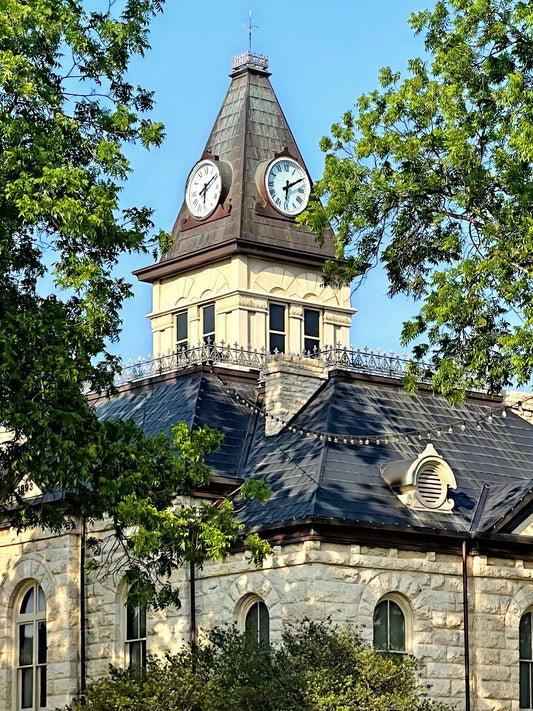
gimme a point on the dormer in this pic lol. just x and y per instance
(422, 484)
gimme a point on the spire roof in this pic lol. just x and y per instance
(249, 130)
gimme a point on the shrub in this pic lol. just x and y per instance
(315, 667)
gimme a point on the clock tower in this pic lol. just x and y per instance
(240, 268)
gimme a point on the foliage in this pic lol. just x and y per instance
(67, 110)
(314, 668)
(433, 176)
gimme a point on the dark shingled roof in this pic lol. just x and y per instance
(249, 129)
(196, 399)
(336, 481)
(341, 481)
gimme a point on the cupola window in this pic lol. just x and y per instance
(182, 331)
(276, 328)
(311, 330)
(208, 323)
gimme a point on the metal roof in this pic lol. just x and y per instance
(312, 477)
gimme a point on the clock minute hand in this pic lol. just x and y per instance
(289, 185)
(206, 185)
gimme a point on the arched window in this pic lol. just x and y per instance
(136, 636)
(31, 649)
(526, 662)
(257, 621)
(389, 627)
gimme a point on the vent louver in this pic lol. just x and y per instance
(422, 483)
(429, 486)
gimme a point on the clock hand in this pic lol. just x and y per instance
(289, 185)
(206, 185)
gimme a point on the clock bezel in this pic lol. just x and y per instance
(188, 200)
(279, 159)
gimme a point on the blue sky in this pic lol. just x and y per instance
(322, 56)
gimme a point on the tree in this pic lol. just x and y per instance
(315, 668)
(66, 111)
(432, 175)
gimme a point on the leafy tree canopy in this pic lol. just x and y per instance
(314, 668)
(432, 175)
(67, 109)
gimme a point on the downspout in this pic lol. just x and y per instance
(466, 620)
(466, 636)
(192, 602)
(83, 651)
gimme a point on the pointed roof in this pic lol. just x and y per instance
(250, 128)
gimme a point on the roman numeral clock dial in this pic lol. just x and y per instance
(287, 185)
(204, 187)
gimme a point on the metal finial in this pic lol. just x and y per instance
(250, 27)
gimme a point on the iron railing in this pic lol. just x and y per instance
(360, 360)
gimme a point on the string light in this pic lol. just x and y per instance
(374, 438)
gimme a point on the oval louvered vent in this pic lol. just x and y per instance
(430, 487)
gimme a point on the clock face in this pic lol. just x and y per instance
(288, 186)
(204, 187)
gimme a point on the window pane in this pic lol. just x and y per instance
(130, 623)
(141, 614)
(277, 318)
(311, 345)
(396, 628)
(41, 639)
(525, 636)
(137, 654)
(26, 688)
(525, 685)
(41, 605)
(380, 626)
(27, 602)
(42, 687)
(209, 319)
(181, 327)
(277, 343)
(264, 623)
(25, 645)
(252, 621)
(311, 323)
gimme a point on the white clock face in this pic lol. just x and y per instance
(288, 186)
(204, 187)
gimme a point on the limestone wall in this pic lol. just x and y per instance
(344, 583)
(53, 562)
(309, 580)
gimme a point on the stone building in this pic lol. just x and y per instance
(398, 514)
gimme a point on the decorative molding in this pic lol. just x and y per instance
(296, 311)
(337, 318)
(239, 300)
